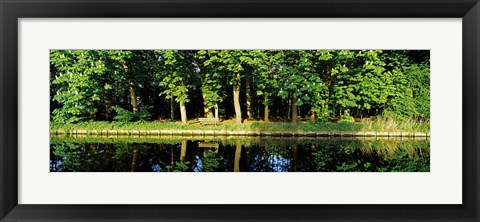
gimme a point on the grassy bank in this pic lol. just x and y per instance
(379, 125)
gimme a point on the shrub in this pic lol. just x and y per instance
(126, 116)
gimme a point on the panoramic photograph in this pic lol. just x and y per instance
(239, 111)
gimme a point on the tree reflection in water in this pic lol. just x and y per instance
(241, 155)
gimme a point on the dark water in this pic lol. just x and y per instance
(241, 155)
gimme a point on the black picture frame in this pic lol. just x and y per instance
(11, 11)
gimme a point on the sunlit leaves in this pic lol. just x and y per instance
(86, 84)
(176, 73)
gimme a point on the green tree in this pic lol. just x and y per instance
(267, 66)
(300, 81)
(410, 88)
(124, 85)
(231, 63)
(212, 79)
(82, 79)
(372, 82)
(176, 73)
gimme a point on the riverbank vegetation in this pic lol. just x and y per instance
(378, 125)
(357, 90)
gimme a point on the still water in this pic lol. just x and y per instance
(238, 155)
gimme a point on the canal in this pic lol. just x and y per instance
(242, 154)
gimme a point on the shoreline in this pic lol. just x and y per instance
(136, 133)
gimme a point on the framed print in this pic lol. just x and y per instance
(266, 110)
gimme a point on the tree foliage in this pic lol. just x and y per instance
(325, 85)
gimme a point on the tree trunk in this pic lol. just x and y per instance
(288, 108)
(108, 104)
(108, 108)
(249, 99)
(131, 86)
(312, 116)
(236, 99)
(294, 107)
(208, 112)
(325, 109)
(266, 110)
(238, 153)
(183, 151)
(133, 97)
(172, 108)
(145, 92)
(216, 110)
(183, 112)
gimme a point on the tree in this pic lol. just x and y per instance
(410, 87)
(330, 85)
(211, 80)
(230, 63)
(267, 68)
(176, 74)
(299, 81)
(83, 80)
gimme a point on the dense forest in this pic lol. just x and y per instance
(268, 85)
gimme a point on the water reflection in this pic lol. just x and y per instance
(238, 155)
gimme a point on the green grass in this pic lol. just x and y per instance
(377, 125)
(391, 125)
